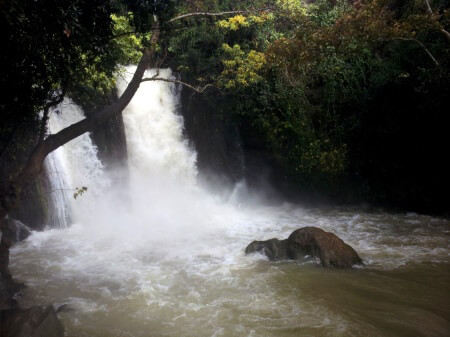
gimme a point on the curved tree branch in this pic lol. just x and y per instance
(421, 45)
(187, 15)
(441, 29)
(196, 89)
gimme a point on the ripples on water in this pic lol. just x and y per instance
(133, 282)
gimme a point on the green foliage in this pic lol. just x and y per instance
(241, 69)
(79, 191)
(307, 85)
(128, 45)
(234, 23)
(96, 79)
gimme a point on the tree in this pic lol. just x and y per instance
(50, 48)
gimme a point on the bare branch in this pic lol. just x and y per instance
(429, 10)
(423, 47)
(441, 29)
(183, 16)
(446, 33)
(196, 89)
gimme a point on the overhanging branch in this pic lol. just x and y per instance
(187, 15)
(441, 29)
(423, 47)
(196, 89)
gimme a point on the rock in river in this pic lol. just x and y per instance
(312, 242)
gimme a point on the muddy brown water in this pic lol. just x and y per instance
(135, 281)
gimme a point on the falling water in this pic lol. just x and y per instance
(154, 132)
(59, 209)
(72, 166)
(170, 261)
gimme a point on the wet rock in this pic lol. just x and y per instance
(33, 322)
(14, 231)
(63, 308)
(330, 249)
(310, 242)
(274, 249)
(6, 293)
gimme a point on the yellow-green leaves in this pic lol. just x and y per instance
(93, 79)
(320, 157)
(292, 7)
(242, 68)
(130, 45)
(79, 191)
(233, 23)
(238, 21)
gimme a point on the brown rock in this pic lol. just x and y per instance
(330, 249)
(309, 242)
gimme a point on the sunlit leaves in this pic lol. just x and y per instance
(79, 191)
(129, 45)
(241, 68)
(233, 23)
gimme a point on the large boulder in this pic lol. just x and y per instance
(330, 249)
(309, 242)
(32, 322)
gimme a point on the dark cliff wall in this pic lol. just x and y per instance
(215, 138)
(34, 211)
(228, 149)
(111, 143)
(109, 137)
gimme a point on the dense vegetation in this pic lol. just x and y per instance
(348, 99)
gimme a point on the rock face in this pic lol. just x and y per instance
(309, 242)
(33, 322)
(36, 206)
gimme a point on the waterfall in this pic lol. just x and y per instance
(59, 205)
(162, 164)
(73, 165)
(154, 131)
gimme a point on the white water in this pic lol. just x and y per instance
(169, 261)
(60, 205)
(72, 166)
